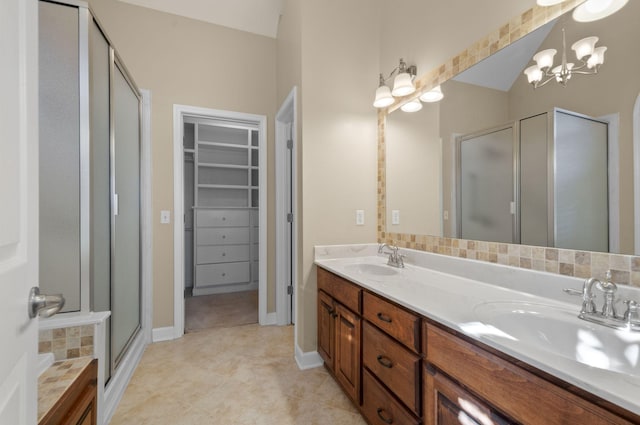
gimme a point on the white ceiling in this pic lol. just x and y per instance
(255, 16)
(500, 70)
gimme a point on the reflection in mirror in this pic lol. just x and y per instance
(550, 183)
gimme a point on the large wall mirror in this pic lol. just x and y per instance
(498, 160)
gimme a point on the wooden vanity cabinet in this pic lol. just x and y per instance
(78, 404)
(497, 385)
(339, 331)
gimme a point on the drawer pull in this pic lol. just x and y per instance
(224, 274)
(224, 236)
(224, 254)
(224, 218)
(385, 361)
(386, 420)
(384, 317)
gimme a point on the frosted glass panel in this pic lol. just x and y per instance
(581, 183)
(59, 153)
(486, 187)
(126, 271)
(219, 134)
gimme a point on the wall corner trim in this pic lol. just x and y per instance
(270, 319)
(308, 360)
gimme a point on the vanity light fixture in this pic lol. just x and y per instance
(592, 10)
(402, 85)
(433, 95)
(413, 106)
(589, 58)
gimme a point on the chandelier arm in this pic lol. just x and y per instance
(540, 84)
(391, 74)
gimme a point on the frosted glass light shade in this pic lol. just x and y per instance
(413, 106)
(592, 10)
(597, 58)
(383, 97)
(533, 73)
(548, 2)
(584, 47)
(433, 95)
(403, 85)
(544, 59)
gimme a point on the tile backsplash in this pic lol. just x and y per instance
(67, 343)
(625, 269)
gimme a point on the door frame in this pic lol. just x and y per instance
(636, 175)
(179, 111)
(287, 116)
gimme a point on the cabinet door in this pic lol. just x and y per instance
(448, 404)
(326, 329)
(347, 358)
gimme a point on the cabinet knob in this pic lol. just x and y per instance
(224, 218)
(384, 317)
(384, 361)
(224, 254)
(224, 236)
(224, 274)
(386, 418)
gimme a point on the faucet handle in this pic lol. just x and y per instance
(632, 315)
(572, 291)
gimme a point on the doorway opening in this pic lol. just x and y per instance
(220, 226)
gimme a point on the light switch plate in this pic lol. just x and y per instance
(395, 216)
(360, 217)
(165, 217)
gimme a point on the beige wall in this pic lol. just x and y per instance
(184, 61)
(339, 62)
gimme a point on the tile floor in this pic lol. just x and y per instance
(221, 310)
(239, 375)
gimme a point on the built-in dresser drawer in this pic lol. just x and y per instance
(396, 321)
(380, 407)
(210, 254)
(393, 364)
(222, 274)
(340, 289)
(222, 218)
(222, 236)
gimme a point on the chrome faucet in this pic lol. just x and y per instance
(395, 258)
(608, 316)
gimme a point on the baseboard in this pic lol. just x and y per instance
(269, 319)
(308, 360)
(119, 381)
(224, 289)
(163, 334)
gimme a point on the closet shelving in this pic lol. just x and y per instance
(225, 196)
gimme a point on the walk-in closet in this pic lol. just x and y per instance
(221, 193)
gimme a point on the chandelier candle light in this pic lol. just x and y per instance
(589, 58)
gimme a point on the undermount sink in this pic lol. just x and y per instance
(558, 330)
(371, 269)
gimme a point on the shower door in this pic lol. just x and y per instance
(486, 177)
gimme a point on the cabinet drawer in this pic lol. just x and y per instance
(380, 407)
(222, 236)
(222, 254)
(222, 218)
(221, 274)
(510, 389)
(340, 289)
(395, 366)
(396, 321)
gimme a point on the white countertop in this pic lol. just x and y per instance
(447, 290)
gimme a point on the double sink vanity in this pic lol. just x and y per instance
(446, 340)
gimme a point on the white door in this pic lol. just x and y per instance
(18, 215)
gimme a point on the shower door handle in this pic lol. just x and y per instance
(44, 305)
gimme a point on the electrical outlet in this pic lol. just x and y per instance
(360, 217)
(395, 216)
(446, 214)
(165, 217)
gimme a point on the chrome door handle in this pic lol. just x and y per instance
(44, 305)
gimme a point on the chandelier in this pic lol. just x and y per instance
(588, 55)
